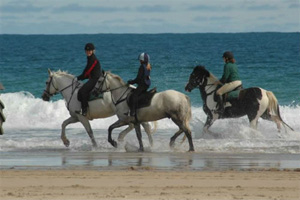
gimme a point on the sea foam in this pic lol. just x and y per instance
(24, 111)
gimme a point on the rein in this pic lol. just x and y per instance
(121, 99)
(209, 88)
(60, 91)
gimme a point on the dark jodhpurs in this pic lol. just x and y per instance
(84, 92)
(134, 97)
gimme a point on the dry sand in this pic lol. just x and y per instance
(146, 183)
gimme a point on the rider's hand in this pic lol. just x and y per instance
(129, 81)
(218, 83)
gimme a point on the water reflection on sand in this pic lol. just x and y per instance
(157, 161)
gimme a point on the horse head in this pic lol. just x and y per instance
(197, 78)
(50, 89)
(55, 81)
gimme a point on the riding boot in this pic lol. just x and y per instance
(84, 111)
(132, 111)
(220, 105)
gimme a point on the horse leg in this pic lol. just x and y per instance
(209, 121)
(147, 128)
(117, 124)
(253, 120)
(267, 116)
(278, 122)
(186, 130)
(124, 132)
(139, 135)
(85, 122)
(63, 130)
(173, 138)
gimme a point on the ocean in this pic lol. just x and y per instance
(267, 60)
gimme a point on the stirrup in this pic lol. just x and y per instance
(81, 112)
(132, 114)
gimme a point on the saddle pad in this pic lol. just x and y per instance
(93, 97)
(233, 95)
(145, 99)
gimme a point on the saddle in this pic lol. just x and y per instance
(232, 95)
(96, 92)
(144, 100)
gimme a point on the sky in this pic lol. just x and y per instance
(148, 16)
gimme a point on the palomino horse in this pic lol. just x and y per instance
(170, 103)
(254, 102)
(64, 83)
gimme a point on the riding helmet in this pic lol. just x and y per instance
(228, 55)
(144, 57)
(89, 47)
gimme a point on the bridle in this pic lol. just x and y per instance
(100, 89)
(120, 99)
(47, 91)
(201, 85)
(50, 83)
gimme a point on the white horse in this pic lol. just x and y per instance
(64, 83)
(167, 104)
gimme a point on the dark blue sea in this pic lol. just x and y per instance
(267, 60)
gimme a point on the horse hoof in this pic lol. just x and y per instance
(172, 144)
(191, 150)
(141, 149)
(120, 139)
(114, 143)
(67, 143)
(95, 145)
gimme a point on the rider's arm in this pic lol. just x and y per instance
(139, 76)
(226, 74)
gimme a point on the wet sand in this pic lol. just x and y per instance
(180, 161)
(67, 175)
(145, 183)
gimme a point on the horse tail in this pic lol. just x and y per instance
(273, 108)
(154, 127)
(273, 103)
(189, 112)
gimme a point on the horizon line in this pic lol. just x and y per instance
(147, 33)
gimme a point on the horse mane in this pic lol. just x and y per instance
(212, 77)
(116, 77)
(202, 70)
(63, 73)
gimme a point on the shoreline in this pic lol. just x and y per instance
(160, 161)
(146, 184)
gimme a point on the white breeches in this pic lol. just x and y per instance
(228, 87)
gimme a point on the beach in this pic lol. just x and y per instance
(232, 161)
(146, 183)
(173, 175)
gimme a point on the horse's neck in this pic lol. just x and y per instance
(117, 88)
(62, 84)
(210, 85)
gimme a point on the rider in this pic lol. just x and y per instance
(229, 81)
(92, 72)
(142, 79)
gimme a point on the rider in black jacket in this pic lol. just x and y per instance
(92, 72)
(142, 80)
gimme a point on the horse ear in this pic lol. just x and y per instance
(207, 74)
(49, 72)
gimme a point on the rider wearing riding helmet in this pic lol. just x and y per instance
(142, 80)
(92, 72)
(229, 81)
